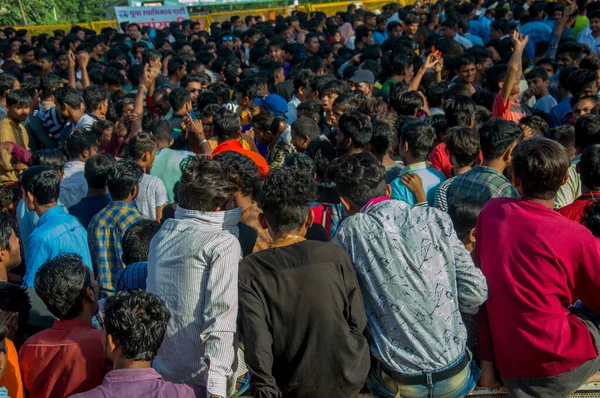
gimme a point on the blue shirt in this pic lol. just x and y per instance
(486, 24)
(537, 31)
(559, 112)
(56, 233)
(475, 40)
(379, 37)
(430, 176)
(88, 207)
(132, 277)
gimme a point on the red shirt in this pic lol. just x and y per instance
(535, 262)
(575, 210)
(62, 361)
(440, 159)
(236, 146)
(512, 110)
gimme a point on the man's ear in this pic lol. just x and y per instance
(388, 190)
(111, 342)
(566, 177)
(310, 217)
(262, 220)
(472, 236)
(90, 295)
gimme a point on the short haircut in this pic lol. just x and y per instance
(382, 137)
(581, 80)
(285, 198)
(420, 138)
(465, 60)
(18, 99)
(42, 182)
(303, 79)
(206, 184)
(407, 103)
(357, 127)
(94, 96)
(162, 131)
(7, 82)
(174, 65)
(140, 144)
(574, 49)
(301, 162)
(322, 152)
(590, 167)
(178, 98)
(464, 212)
(15, 298)
(358, 177)
(137, 322)
(79, 140)
(334, 87)
(136, 241)
(584, 95)
(591, 62)
(537, 73)
(435, 93)
(226, 125)
(96, 169)
(460, 111)
(563, 134)
(67, 95)
(306, 127)
(311, 108)
(61, 284)
(462, 145)
(113, 77)
(541, 164)
(548, 61)
(122, 178)
(246, 169)
(52, 158)
(496, 136)
(249, 88)
(537, 125)
(495, 75)
(48, 84)
(587, 131)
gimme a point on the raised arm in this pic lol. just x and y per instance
(515, 66)
(84, 59)
(430, 62)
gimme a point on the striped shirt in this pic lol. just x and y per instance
(52, 122)
(105, 233)
(440, 199)
(193, 267)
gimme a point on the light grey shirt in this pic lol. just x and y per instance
(193, 267)
(416, 278)
(152, 194)
(73, 186)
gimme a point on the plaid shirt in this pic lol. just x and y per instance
(105, 232)
(132, 277)
(481, 182)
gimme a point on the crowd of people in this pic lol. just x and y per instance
(395, 203)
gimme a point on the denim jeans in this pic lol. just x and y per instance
(458, 386)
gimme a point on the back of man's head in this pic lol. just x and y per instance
(122, 179)
(80, 141)
(226, 125)
(137, 322)
(136, 241)
(67, 95)
(407, 103)
(64, 283)
(357, 127)
(141, 144)
(43, 183)
(7, 83)
(94, 96)
(496, 137)
(206, 184)
(306, 127)
(96, 170)
(245, 167)
(540, 165)
(381, 139)
(587, 131)
(178, 98)
(420, 138)
(52, 158)
(590, 168)
(463, 146)
(162, 132)
(460, 111)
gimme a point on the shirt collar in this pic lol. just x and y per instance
(122, 204)
(218, 219)
(70, 324)
(49, 214)
(490, 170)
(131, 375)
(418, 166)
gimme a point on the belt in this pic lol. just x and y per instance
(435, 376)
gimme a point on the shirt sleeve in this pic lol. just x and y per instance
(587, 278)
(485, 346)
(357, 318)
(570, 191)
(257, 343)
(37, 254)
(220, 313)
(161, 196)
(401, 192)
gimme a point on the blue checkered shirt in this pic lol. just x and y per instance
(132, 277)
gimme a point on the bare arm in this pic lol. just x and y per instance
(431, 60)
(515, 66)
(72, 78)
(84, 60)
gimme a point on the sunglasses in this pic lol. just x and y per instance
(227, 38)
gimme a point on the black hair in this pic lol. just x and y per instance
(580, 80)
(303, 79)
(563, 134)
(358, 177)
(537, 125)
(61, 283)
(381, 139)
(174, 65)
(250, 88)
(465, 60)
(590, 167)
(357, 127)
(587, 131)
(226, 125)
(7, 82)
(48, 84)
(420, 138)
(574, 49)
(460, 111)
(494, 76)
(464, 212)
(42, 182)
(462, 145)
(122, 178)
(306, 127)
(584, 95)
(311, 108)
(333, 87)
(206, 184)
(537, 73)
(113, 77)
(591, 62)
(322, 153)
(407, 104)
(548, 61)
(79, 140)
(137, 322)
(456, 90)
(18, 98)
(178, 98)
(300, 162)
(96, 169)
(67, 95)
(542, 165)
(162, 131)
(496, 136)
(8, 195)
(140, 144)
(285, 198)
(52, 158)
(435, 93)
(136, 241)
(15, 298)
(246, 169)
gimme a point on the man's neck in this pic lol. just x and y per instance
(127, 201)
(546, 202)
(3, 274)
(161, 145)
(98, 114)
(461, 170)
(95, 192)
(541, 95)
(496, 164)
(123, 363)
(40, 210)
(174, 80)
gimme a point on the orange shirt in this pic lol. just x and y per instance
(235, 146)
(65, 360)
(11, 379)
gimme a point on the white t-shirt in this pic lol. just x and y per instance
(152, 195)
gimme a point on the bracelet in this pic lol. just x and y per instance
(202, 142)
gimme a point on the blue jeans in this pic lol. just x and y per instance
(458, 386)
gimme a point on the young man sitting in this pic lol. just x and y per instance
(73, 346)
(134, 327)
(413, 289)
(416, 142)
(286, 328)
(533, 285)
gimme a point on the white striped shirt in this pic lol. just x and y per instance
(193, 267)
